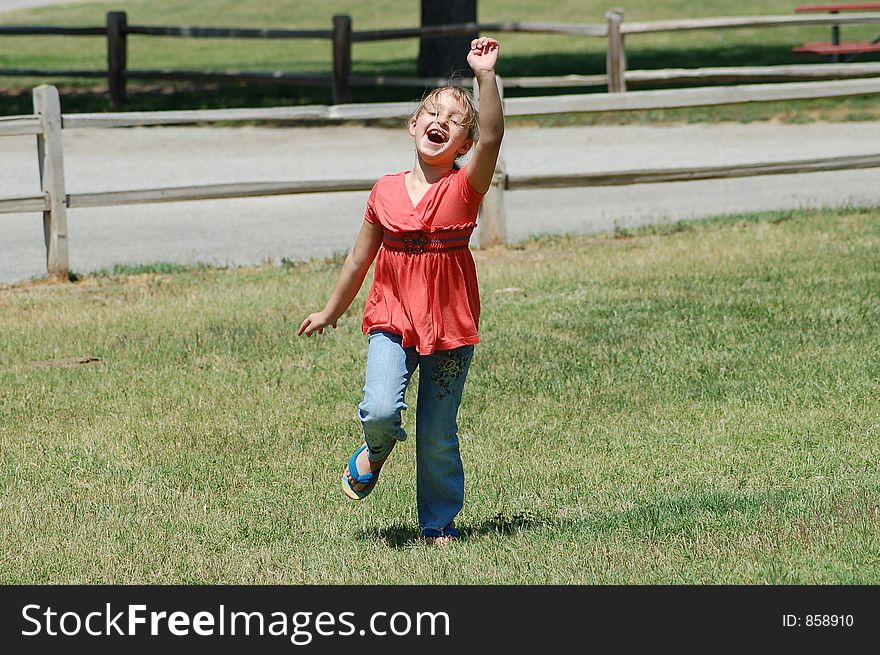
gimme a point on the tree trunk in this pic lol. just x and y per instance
(445, 56)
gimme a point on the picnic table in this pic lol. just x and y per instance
(835, 48)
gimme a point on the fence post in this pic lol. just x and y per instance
(51, 159)
(341, 58)
(493, 223)
(615, 62)
(117, 55)
(492, 219)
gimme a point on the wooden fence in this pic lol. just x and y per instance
(47, 124)
(342, 37)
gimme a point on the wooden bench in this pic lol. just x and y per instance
(835, 48)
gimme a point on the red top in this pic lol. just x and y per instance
(863, 6)
(425, 281)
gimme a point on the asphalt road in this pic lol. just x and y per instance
(249, 231)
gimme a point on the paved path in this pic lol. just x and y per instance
(246, 231)
(14, 5)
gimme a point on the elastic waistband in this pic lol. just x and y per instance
(419, 242)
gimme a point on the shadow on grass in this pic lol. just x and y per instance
(402, 536)
(689, 513)
(681, 515)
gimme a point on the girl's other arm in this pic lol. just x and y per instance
(354, 270)
(481, 167)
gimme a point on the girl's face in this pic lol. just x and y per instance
(439, 130)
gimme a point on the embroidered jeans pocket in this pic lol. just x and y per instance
(448, 370)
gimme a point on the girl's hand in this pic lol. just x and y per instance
(315, 323)
(483, 54)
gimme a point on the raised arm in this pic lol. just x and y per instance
(354, 270)
(481, 167)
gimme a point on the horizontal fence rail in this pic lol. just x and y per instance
(226, 32)
(716, 74)
(653, 176)
(738, 22)
(23, 205)
(367, 111)
(20, 126)
(463, 29)
(695, 97)
(343, 36)
(588, 102)
(41, 72)
(241, 76)
(48, 122)
(509, 182)
(48, 30)
(215, 192)
(777, 73)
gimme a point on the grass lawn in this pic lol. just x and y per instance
(524, 54)
(688, 404)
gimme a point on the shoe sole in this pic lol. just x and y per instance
(355, 495)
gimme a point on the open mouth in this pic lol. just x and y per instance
(436, 136)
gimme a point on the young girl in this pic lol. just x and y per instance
(423, 307)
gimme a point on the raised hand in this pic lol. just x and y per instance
(483, 54)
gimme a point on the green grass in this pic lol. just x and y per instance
(523, 54)
(694, 403)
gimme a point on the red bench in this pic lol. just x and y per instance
(850, 47)
(835, 48)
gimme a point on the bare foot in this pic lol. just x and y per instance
(445, 540)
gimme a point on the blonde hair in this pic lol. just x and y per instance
(471, 119)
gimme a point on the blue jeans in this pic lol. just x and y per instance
(439, 473)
